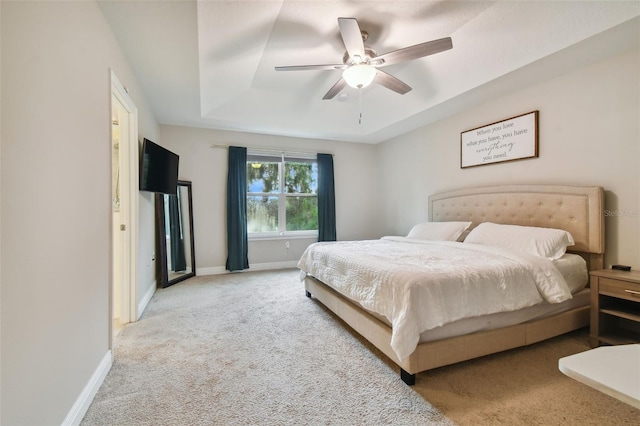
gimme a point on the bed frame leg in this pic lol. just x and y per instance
(409, 379)
(306, 293)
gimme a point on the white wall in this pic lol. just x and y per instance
(357, 215)
(589, 134)
(55, 218)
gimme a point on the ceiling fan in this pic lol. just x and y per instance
(361, 65)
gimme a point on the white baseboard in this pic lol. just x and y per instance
(214, 270)
(217, 270)
(79, 409)
(146, 299)
(272, 265)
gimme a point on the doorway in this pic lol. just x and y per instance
(124, 206)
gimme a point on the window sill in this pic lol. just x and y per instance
(284, 236)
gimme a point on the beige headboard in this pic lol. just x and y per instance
(577, 209)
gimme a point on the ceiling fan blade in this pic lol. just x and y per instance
(414, 52)
(337, 88)
(351, 36)
(390, 82)
(312, 67)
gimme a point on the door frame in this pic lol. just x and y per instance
(128, 149)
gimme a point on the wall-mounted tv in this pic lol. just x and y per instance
(158, 169)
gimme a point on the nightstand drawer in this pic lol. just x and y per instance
(621, 289)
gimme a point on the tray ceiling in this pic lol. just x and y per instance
(211, 63)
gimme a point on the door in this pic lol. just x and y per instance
(124, 204)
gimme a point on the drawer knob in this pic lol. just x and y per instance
(633, 292)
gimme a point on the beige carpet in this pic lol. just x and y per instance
(250, 348)
(522, 387)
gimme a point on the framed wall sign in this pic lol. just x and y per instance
(515, 138)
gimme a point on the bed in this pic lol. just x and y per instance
(453, 337)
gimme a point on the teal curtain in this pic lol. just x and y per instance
(326, 199)
(237, 241)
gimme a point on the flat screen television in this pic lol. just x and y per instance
(158, 169)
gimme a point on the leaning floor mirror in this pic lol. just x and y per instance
(174, 234)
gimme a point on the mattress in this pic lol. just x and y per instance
(418, 287)
(572, 267)
(505, 319)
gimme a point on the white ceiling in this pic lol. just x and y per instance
(211, 63)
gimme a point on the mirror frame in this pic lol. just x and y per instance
(161, 241)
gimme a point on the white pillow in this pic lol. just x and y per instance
(438, 231)
(543, 242)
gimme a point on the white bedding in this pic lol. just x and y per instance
(574, 270)
(419, 285)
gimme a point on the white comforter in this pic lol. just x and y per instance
(419, 285)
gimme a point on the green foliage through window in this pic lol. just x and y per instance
(282, 193)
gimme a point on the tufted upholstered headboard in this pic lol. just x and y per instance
(576, 209)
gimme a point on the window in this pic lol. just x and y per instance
(282, 194)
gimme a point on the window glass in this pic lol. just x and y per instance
(302, 213)
(262, 213)
(301, 177)
(263, 177)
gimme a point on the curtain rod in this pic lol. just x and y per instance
(271, 150)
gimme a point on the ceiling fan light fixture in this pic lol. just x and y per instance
(359, 75)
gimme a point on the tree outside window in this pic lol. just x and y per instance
(282, 194)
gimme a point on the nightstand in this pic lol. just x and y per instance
(615, 307)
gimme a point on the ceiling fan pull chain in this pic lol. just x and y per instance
(360, 105)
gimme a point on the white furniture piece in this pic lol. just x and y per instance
(613, 370)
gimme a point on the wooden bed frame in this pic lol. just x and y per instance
(577, 209)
